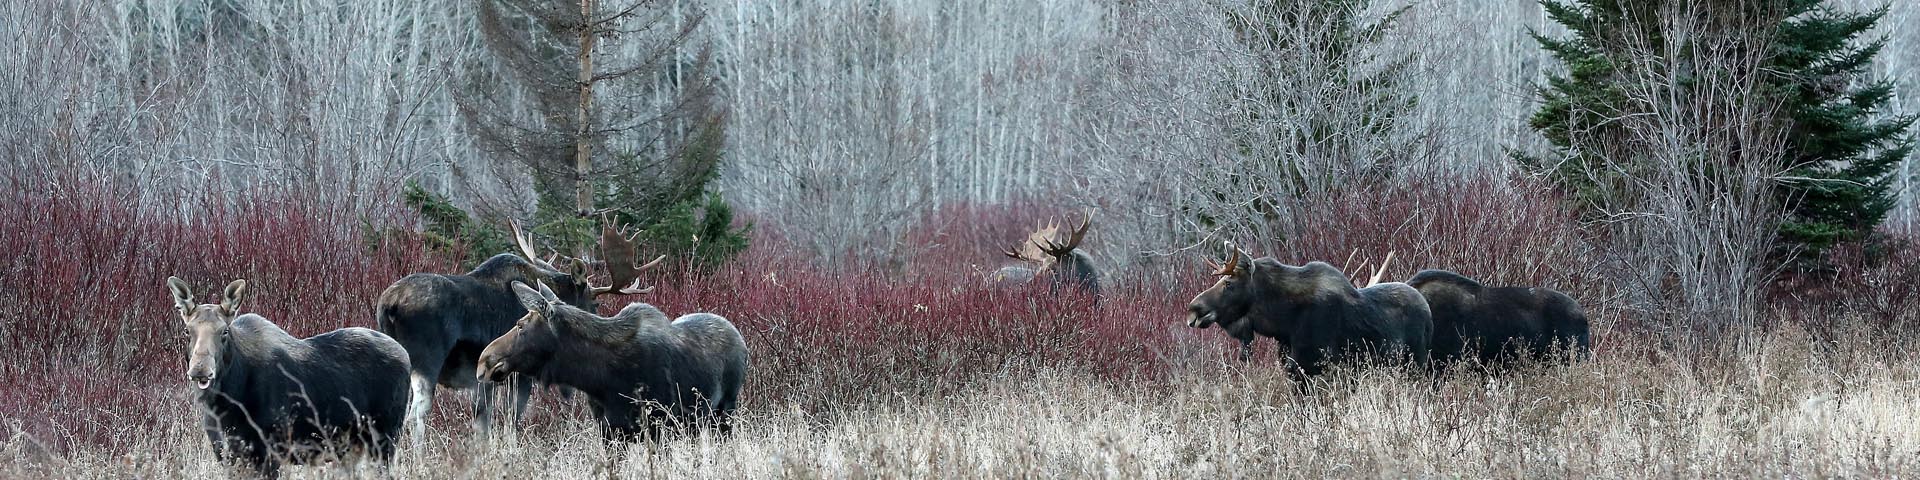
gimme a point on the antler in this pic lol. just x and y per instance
(1014, 251)
(1382, 270)
(615, 244)
(521, 239)
(1232, 267)
(620, 252)
(1073, 241)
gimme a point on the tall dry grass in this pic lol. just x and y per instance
(1779, 406)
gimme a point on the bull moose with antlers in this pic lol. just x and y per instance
(1046, 254)
(444, 321)
(1242, 331)
(1313, 311)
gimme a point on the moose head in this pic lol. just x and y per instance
(1230, 297)
(1044, 247)
(208, 327)
(531, 342)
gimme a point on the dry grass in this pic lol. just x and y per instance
(1780, 405)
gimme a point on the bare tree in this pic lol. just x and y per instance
(235, 94)
(1690, 171)
(866, 114)
(845, 119)
(1273, 108)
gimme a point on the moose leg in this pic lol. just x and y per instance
(420, 404)
(222, 446)
(722, 414)
(1306, 365)
(382, 447)
(425, 364)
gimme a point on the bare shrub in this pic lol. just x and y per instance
(1687, 165)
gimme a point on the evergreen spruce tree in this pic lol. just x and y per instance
(1842, 145)
(635, 137)
(1845, 148)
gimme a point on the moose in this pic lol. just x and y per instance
(1498, 325)
(1314, 312)
(1046, 255)
(1242, 331)
(637, 370)
(444, 321)
(268, 398)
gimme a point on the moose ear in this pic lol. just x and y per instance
(182, 294)
(530, 298)
(547, 294)
(230, 300)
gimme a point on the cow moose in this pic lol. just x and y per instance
(637, 370)
(1047, 255)
(444, 321)
(1314, 312)
(1498, 324)
(267, 398)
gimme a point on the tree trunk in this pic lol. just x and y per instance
(583, 138)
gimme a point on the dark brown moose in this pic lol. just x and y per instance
(1499, 325)
(639, 371)
(1314, 312)
(445, 320)
(1242, 331)
(268, 398)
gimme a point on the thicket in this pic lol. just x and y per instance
(1840, 139)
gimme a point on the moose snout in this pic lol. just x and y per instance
(1200, 317)
(492, 370)
(200, 379)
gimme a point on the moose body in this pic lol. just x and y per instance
(444, 321)
(1314, 312)
(637, 369)
(1498, 324)
(268, 398)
